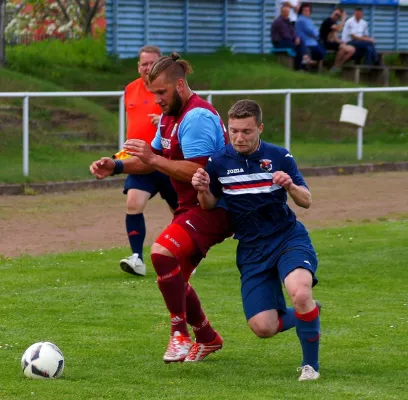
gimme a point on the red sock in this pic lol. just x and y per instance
(172, 286)
(202, 328)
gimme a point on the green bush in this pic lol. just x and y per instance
(87, 53)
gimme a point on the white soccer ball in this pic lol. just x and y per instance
(42, 360)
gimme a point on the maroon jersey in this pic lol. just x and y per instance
(196, 134)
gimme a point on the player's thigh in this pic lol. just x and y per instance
(261, 288)
(176, 242)
(205, 227)
(139, 189)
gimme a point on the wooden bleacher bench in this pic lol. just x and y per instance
(403, 56)
(371, 74)
(379, 75)
(285, 56)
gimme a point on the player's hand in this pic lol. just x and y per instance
(154, 118)
(282, 179)
(139, 148)
(201, 180)
(102, 168)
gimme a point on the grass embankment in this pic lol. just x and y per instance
(113, 328)
(318, 137)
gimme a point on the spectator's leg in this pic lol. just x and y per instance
(345, 53)
(303, 55)
(318, 52)
(359, 50)
(339, 57)
(288, 44)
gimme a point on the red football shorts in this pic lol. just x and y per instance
(191, 234)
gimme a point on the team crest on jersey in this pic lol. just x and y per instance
(165, 143)
(174, 130)
(266, 165)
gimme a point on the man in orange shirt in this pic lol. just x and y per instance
(143, 116)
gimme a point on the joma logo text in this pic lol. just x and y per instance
(234, 171)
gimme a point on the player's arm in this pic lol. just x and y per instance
(199, 135)
(292, 180)
(201, 183)
(182, 170)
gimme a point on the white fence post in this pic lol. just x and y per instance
(360, 129)
(121, 121)
(287, 120)
(25, 135)
(209, 98)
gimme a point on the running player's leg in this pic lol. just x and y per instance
(139, 189)
(297, 268)
(172, 246)
(261, 290)
(174, 255)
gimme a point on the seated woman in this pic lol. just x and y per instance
(308, 33)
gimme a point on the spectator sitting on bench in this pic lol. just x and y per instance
(329, 38)
(308, 33)
(355, 33)
(283, 36)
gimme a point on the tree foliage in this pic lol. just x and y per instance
(53, 17)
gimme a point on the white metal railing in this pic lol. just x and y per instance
(209, 93)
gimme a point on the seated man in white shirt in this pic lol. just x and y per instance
(355, 33)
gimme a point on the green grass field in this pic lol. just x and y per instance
(113, 327)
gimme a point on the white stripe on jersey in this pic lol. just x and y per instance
(254, 190)
(246, 178)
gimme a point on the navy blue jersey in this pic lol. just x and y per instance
(257, 205)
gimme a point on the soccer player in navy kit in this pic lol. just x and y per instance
(254, 178)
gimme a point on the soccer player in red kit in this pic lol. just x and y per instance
(190, 131)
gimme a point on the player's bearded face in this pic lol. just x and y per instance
(175, 105)
(244, 134)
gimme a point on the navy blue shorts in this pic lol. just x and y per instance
(263, 269)
(153, 183)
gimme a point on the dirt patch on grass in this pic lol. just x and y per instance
(94, 219)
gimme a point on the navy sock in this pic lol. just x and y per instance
(308, 331)
(287, 320)
(136, 229)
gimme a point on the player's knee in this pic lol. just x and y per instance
(136, 201)
(160, 250)
(263, 328)
(135, 206)
(301, 296)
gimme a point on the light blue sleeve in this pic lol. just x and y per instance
(200, 133)
(311, 29)
(156, 142)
